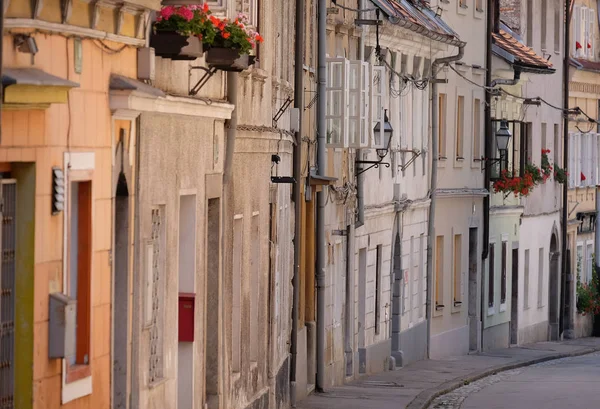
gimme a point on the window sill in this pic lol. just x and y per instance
(75, 389)
(157, 383)
(491, 310)
(439, 307)
(77, 372)
(503, 307)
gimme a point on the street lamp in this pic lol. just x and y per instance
(387, 132)
(503, 136)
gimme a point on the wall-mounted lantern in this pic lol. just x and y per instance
(503, 136)
(386, 132)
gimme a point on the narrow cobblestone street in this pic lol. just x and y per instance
(568, 382)
(414, 386)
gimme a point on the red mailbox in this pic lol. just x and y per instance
(186, 317)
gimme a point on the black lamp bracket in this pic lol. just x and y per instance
(208, 73)
(373, 163)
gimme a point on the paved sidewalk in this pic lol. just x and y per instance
(415, 386)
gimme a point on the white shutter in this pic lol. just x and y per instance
(379, 88)
(355, 107)
(591, 20)
(365, 115)
(572, 154)
(582, 31)
(336, 114)
(594, 153)
(576, 29)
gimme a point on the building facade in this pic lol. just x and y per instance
(584, 74)
(57, 150)
(458, 219)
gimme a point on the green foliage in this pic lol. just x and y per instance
(588, 294)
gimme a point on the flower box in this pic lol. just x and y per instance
(169, 44)
(228, 59)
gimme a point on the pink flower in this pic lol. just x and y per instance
(185, 13)
(167, 12)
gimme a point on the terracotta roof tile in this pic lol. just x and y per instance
(419, 13)
(522, 53)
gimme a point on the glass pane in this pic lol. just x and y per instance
(334, 130)
(334, 103)
(336, 75)
(353, 131)
(354, 108)
(353, 81)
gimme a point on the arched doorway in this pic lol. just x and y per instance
(121, 294)
(554, 290)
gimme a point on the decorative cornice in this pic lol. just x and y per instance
(65, 29)
(590, 88)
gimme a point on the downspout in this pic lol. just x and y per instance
(502, 81)
(488, 144)
(1, 61)
(322, 195)
(434, 164)
(565, 307)
(349, 307)
(297, 172)
(360, 179)
(231, 126)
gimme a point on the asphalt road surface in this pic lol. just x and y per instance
(572, 383)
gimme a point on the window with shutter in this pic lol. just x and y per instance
(571, 169)
(337, 100)
(590, 41)
(354, 105)
(576, 30)
(379, 88)
(365, 90)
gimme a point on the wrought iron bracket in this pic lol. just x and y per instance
(373, 163)
(415, 155)
(489, 163)
(281, 111)
(208, 73)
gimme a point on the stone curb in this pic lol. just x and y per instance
(424, 399)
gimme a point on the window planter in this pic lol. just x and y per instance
(228, 59)
(169, 44)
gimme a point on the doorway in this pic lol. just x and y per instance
(473, 322)
(397, 294)
(554, 290)
(122, 291)
(514, 300)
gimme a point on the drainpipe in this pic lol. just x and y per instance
(434, 164)
(349, 308)
(360, 179)
(567, 279)
(501, 81)
(231, 125)
(487, 146)
(1, 51)
(297, 172)
(322, 195)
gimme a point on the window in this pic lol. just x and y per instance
(590, 33)
(526, 281)
(530, 23)
(544, 17)
(557, 24)
(457, 269)
(80, 274)
(462, 3)
(540, 278)
(589, 261)
(236, 310)
(439, 272)
(503, 272)
(358, 90)
(528, 149)
(379, 87)
(378, 289)
(557, 147)
(337, 99)
(544, 129)
(476, 129)
(156, 265)
(442, 126)
(479, 5)
(583, 159)
(491, 277)
(460, 125)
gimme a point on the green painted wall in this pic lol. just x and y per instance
(25, 261)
